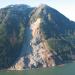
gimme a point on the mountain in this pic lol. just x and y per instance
(34, 37)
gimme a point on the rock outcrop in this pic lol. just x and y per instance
(41, 55)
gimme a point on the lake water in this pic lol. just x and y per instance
(68, 69)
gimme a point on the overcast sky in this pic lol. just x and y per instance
(66, 7)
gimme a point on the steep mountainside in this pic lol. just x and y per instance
(35, 37)
(13, 20)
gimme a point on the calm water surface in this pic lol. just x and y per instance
(68, 69)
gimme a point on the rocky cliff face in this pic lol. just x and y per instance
(35, 37)
(40, 55)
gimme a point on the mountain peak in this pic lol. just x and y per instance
(43, 6)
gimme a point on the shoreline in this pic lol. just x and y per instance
(28, 69)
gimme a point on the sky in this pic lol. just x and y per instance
(66, 7)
